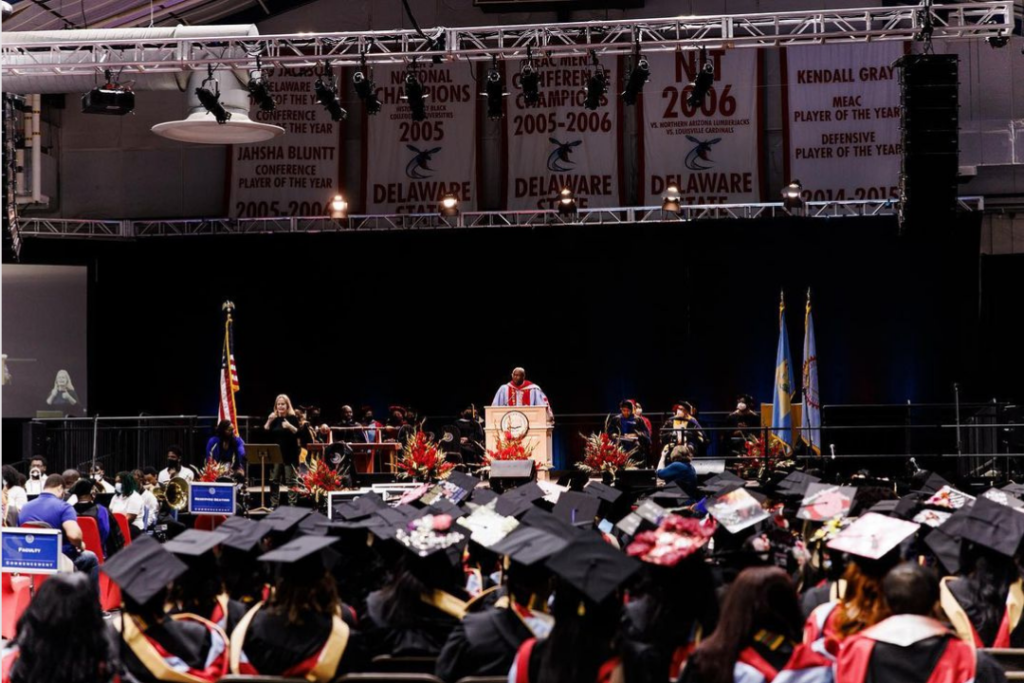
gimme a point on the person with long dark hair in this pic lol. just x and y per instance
(128, 501)
(986, 604)
(583, 645)
(299, 631)
(62, 637)
(226, 447)
(666, 622)
(758, 630)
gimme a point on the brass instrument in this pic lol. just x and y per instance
(175, 493)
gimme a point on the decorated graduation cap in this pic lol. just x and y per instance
(736, 510)
(303, 558)
(195, 542)
(994, 526)
(593, 567)
(577, 509)
(873, 535)
(463, 481)
(933, 484)
(529, 545)
(675, 539)
(430, 535)
(825, 501)
(486, 526)
(945, 542)
(143, 569)
(1003, 497)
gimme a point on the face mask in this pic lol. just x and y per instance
(741, 406)
(173, 465)
(97, 477)
(35, 474)
(117, 488)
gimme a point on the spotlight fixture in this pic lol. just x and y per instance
(566, 202)
(448, 207)
(259, 88)
(438, 43)
(110, 98)
(494, 91)
(597, 85)
(339, 208)
(791, 196)
(924, 18)
(327, 95)
(672, 201)
(415, 97)
(529, 80)
(366, 89)
(638, 75)
(998, 40)
(210, 99)
(703, 82)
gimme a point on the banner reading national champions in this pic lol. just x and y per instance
(711, 152)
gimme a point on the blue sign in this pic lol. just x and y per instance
(209, 498)
(30, 551)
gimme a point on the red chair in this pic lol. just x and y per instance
(16, 596)
(110, 594)
(210, 522)
(122, 521)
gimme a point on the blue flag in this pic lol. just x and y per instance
(782, 400)
(811, 433)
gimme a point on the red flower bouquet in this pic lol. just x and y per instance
(319, 479)
(507, 447)
(423, 459)
(760, 460)
(213, 470)
(603, 454)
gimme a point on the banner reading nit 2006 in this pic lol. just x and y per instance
(410, 165)
(559, 143)
(712, 151)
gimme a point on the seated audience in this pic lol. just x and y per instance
(128, 502)
(50, 510)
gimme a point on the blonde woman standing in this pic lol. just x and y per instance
(283, 427)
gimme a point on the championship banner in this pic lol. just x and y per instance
(842, 120)
(295, 174)
(558, 143)
(711, 152)
(408, 166)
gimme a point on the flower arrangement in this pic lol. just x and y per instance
(760, 460)
(603, 454)
(423, 459)
(214, 470)
(319, 479)
(507, 447)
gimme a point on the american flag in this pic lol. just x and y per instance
(228, 373)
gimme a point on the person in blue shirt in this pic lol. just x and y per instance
(680, 470)
(226, 447)
(50, 509)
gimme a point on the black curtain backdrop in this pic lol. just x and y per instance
(437, 319)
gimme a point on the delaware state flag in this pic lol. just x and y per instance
(782, 400)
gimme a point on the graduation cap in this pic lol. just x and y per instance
(675, 539)
(486, 526)
(931, 518)
(1003, 498)
(736, 510)
(245, 535)
(303, 557)
(517, 501)
(483, 496)
(720, 481)
(933, 484)
(994, 526)
(529, 545)
(945, 542)
(873, 535)
(825, 501)
(884, 507)
(195, 542)
(285, 518)
(796, 483)
(630, 524)
(592, 567)
(314, 524)
(651, 512)
(463, 481)
(672, 496)
(602, 491)
(143, 569)
(949, 498)
(1014, 489)
(429, 535)
(547, 521)
(577, 509)
(443, 506)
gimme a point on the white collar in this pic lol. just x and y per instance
(904, 630)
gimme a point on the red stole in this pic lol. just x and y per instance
(166, 666)
(9, 657)
(957, 664)
(751, 658)
(514, 392)
(604, 674)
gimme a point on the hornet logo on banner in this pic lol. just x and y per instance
(699, 154)
(561, 155)
(419, 162)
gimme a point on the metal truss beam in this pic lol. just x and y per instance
(954, 21)
(77, 229)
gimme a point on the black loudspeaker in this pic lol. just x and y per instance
(508, 474)
(929, 125)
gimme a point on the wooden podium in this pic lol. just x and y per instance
(530, 422)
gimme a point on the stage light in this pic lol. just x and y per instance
(448, 206)
(494, 91)
(791, 196)
(366, 89)
(259, 88)
(597, 86)
(339, 207)
(640, 74)
(327, 96)
(998, 40)
(671, 202)
(415, 97)
(529, 81)
(701, 84)
(566, 202)
(210, 99)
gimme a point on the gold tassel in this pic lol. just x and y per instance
(582, 610)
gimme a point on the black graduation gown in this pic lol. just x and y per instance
(483, 644)
(648, 655)
(423, 633)
(234, 613)
(188, 640)
(960, 592)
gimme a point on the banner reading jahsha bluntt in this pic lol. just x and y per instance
(558, 143)
(408, 166)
